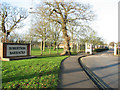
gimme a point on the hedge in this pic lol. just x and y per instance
(100, 49)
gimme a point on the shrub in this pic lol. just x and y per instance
(100, 49)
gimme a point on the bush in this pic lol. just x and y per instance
(118, 51)
(100, 49)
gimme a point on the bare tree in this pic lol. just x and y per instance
(41, 30)
(1, 34)
(90, 36)
(55, 33)
(73, 30)
(14, 37)
(64, 12)
(10, 18)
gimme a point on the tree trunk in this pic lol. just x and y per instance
(4, 38)
(54, 45)
(66, 42)
(41, 52)
(18, 41)
(41, 48)
(44, 45)
(77, 47)
(67, 46)
(72, 44)
(50, 48)
(57, 49)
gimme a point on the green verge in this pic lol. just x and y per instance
(39, 72)
(37, 51)
(100, 49)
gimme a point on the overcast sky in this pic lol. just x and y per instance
(106, 23)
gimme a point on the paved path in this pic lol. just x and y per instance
(105, 66)
(72, 75)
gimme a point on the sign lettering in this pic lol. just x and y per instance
(16, 50)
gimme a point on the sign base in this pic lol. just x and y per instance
(5, 59)
(17, 58)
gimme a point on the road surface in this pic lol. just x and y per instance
(105, 66)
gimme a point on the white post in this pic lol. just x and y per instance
(77, 47)
(90, 48)
(115, 49)
(85, 47)
(30, 49)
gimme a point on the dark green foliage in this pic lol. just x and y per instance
(118, 52)
(100, 49)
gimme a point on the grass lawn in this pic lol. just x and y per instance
(118, 55)
(39, 72)
(37, 51)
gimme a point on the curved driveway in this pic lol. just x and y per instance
(105, 66)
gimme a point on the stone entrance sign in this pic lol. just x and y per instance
(1, 51)
(11, 50)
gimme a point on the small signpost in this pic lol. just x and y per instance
(88, 48)
(14, 50)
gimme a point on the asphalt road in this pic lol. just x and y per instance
(105, 66)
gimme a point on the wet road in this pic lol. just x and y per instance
(105, 66)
